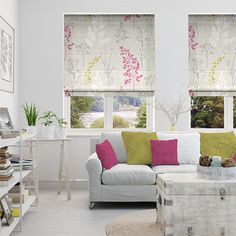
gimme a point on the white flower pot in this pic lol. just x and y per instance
(61, 133)
(47, 132)
(32, 129)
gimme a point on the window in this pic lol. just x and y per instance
(129, 112)
(87, 112)
(207, 112)
(112, 56)
(122, 112)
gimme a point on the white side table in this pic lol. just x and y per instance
(64, 174)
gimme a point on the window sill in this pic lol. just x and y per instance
(97, 133)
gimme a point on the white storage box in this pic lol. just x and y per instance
(191, 206)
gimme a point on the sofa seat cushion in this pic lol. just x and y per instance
(124, 174)
(185, 168)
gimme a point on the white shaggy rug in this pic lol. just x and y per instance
(138, 223)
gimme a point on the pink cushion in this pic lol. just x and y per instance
(106, 154)
(164, 152)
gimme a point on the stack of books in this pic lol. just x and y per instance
(26, 164)
(6, 170)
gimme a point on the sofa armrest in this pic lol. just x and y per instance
(93, 164)
(94, 168)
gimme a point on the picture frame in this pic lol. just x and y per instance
(6, 126)
(7, 47)
(6, 210)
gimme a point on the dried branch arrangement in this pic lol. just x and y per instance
(174, 110)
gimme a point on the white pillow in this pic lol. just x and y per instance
(188, 146)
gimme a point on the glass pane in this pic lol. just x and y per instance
(129, 112)
(87, 112)
(207, 112)
(234, 112)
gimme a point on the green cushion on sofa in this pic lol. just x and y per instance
(218, 144)
(138, 147)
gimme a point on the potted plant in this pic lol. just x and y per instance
(48, 127)
(62, 127)
(31, 113)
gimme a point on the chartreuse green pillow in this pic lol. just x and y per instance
(218, 144)
(138, 147)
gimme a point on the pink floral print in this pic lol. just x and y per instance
(67, 37)
(191, 38)
(131, 66)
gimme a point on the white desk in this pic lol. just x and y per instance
(63, 174)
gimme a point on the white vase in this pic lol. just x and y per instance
(47, 132)
(61, 133)
(32, 129)
(173, 128)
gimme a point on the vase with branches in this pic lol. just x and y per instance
(174, 110)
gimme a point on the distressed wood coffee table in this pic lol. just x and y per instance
(189, 205)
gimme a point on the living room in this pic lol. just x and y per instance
(40, 65)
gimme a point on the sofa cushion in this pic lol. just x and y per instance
(117, 144)
(138, 147)
(164, 152)
(124, 174)
(188, 146)
(218, 144)
(187, 168)
(106, 154)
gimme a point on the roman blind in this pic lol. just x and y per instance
(212, 51)
(109, 54)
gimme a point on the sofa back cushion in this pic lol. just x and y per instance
(188, 146)
(138, 147)
(218, 144)
(117, 144)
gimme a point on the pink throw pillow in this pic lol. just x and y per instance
(106, 154)
(164, 152)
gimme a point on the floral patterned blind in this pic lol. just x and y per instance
(109, 54)
(212, 54)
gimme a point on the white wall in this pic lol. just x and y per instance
(41, 56)
(9, 11)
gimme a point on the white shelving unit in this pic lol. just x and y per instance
(21, 142)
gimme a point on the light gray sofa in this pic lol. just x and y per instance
(131, 183)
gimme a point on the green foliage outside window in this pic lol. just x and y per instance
(118, 122)
(142, 117)
(234, 112)
(207, 112)
(80, 106)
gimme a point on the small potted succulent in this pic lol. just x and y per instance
(48, 127)
(31, 113)
(62, 127)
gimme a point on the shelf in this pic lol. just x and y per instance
(12, 141)
(14, 180)
(6, 230)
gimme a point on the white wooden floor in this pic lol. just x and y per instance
(57, 216)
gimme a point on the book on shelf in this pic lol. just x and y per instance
(5, 161)
(5, 179)
(5, 166)
(15, 197)
(5, 155)
(26, 164)
(3, 149)
(6, 172)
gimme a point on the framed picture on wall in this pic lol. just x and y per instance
(7, 42)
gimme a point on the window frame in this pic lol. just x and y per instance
(108, 113)
(228, 118)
